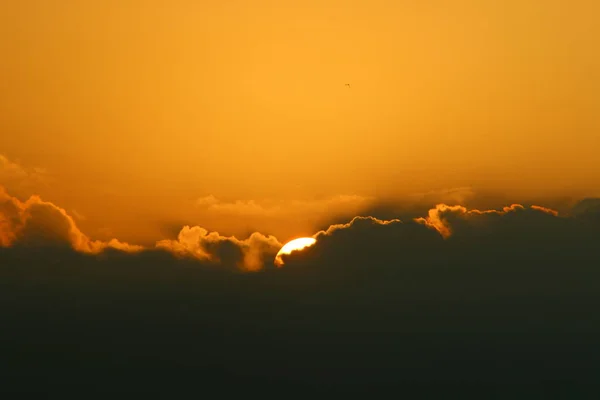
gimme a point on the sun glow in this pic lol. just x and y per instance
(293, 245)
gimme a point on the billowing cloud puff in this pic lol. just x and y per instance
(41, 223)
(445, 219)
(249, 254)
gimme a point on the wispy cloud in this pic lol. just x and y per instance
(270, 208)
(20, 180)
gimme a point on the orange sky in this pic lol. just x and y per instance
(142, 116)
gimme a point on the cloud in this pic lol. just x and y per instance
(586, 207)
(40, 223)
(588, 211)
(20, 180)
(447, 230)
(36, 222)
(249, 254)
(78, 215)
(545, 209)
(456, 296)
(458, 195)
(271, 208)
(445, 219)
(366, 239)
(416, 205)
(357, 222)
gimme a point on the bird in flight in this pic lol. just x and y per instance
(347, 84)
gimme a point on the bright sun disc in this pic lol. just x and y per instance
(293, 245)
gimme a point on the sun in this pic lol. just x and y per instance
(293, 245)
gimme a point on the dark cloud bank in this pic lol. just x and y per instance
(461, 302)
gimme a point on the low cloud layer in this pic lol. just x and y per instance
(488, 297)
(249, 254)
(39, 223)
(35, 222)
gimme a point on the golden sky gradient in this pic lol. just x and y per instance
(141, 116)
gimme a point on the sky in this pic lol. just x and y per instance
(439, 159)
(137, 112)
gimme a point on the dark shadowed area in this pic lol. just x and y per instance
(495, 303)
